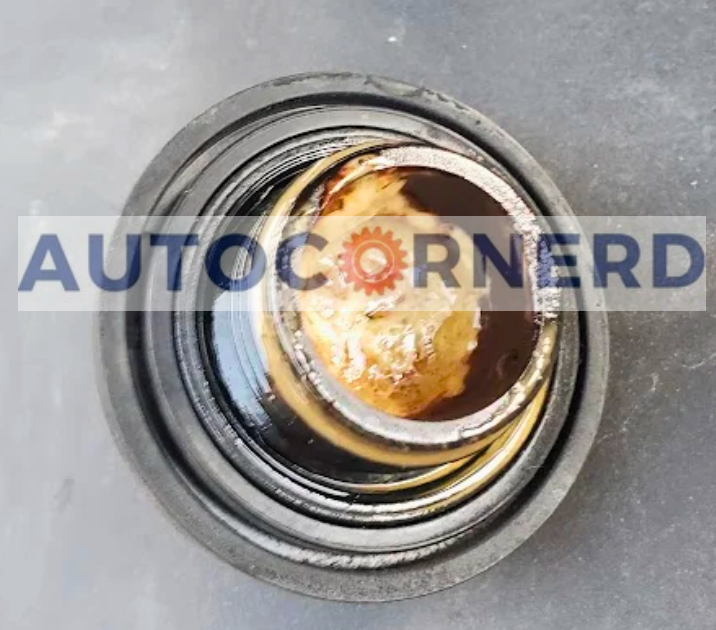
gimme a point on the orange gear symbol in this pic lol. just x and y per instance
(388, 260)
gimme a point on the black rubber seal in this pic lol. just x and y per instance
(206, 510)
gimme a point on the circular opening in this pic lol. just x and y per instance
(497, 342)
(343, 316)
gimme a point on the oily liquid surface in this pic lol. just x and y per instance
(485, 370)
(507, 337)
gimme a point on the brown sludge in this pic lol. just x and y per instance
(400, 349)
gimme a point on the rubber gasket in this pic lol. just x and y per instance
(133, 415)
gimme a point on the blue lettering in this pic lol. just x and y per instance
(423, 267)
(511, 272)
(284, 255)
(603, 266)
(174, 243)
(216, 252)
(133, 267)
(48, 244)
(662, 279)
(548, 261)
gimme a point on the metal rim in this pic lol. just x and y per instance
(377, 435)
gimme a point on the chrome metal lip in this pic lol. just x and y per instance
(405, 440)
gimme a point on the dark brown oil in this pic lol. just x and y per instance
(507, 337)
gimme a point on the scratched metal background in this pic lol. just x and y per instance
(617, 99)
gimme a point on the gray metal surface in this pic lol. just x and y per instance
(616, 99)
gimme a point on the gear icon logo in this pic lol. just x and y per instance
(373, 260)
